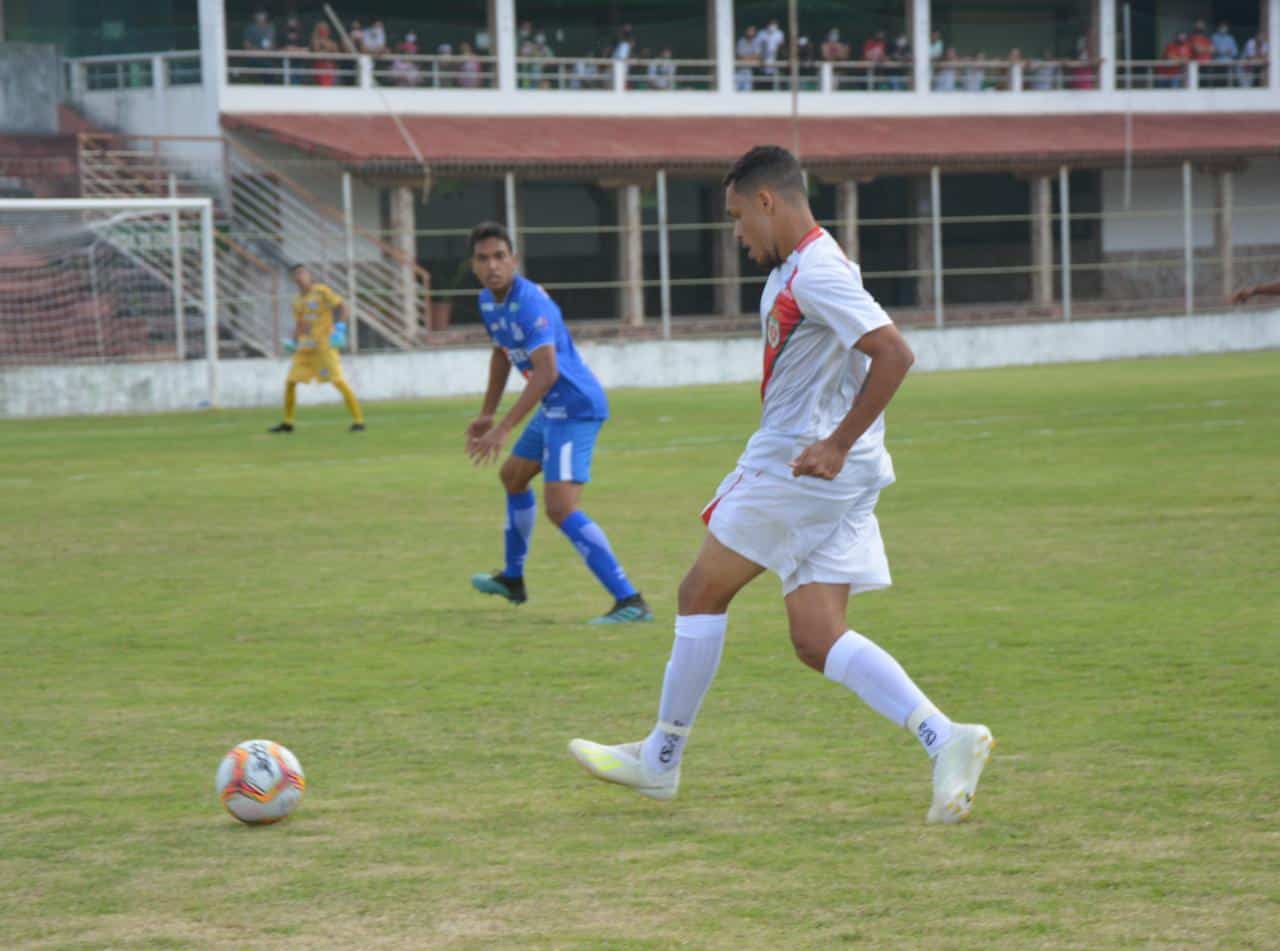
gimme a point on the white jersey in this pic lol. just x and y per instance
(814, 309)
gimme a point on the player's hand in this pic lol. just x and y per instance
(338, 339)
(289, 344)
(487, 447)
(823, 460)
(1242, 296)
(477, 428)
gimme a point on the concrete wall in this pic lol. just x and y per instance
(140, 388)
(30, 87)
(1155, 221)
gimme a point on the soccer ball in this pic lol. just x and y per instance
(260, 782)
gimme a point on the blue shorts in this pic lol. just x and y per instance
(563, 447)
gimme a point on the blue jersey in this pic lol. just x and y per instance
(529, 319)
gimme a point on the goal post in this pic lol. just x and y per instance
(108, 280)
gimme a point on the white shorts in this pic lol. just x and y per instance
(800, 535)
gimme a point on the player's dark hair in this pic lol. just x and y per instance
(294, 268)
(485, 230)
(770, 165)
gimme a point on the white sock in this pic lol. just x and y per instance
(871, 673)
(695, 655)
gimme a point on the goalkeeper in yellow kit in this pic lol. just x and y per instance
(319, 332)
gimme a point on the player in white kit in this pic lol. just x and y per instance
(801, 502)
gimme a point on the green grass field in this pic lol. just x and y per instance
(1085, 558)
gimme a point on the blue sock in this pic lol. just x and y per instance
(520, 519)
(592, 543)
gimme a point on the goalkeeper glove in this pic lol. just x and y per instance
(338, 339)
(289, 344)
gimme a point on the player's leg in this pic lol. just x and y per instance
(517, 472)
(353, 404)
(817, 596)
(652, 766)
(290, 408)
(567, 467)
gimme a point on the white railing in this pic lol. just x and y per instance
(294, 68)
(136, 71)
(1183, 74)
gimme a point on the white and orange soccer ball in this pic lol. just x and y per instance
(260, 782)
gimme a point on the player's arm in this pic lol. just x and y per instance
(1242, 295)
(543, 376)
(891, 359)
(499, 370)
(338, 306)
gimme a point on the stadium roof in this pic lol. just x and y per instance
(857, 145)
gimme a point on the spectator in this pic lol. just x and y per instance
(936, 48)
(1255, 57)
(444, 68)
(1081, 73)
(900, 57)
(525, 50)
(625, 45)
(293, 42)
(1201, 44)
(873, 49)
(1046, 73)
(1177, 53)
(662, 71)
(541, 74)
(470, 69)
(375, 39)
(1225, 51)
(975, 74)
(747, 55)
(260, 35)
(1017, 64)
(946, 73)
(356, 36)
(404, 71)
(325, 69)
(769, 42)
(834, 51)
(586, 73)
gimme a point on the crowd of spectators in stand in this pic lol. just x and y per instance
(1222, 60)
(321, 58)
(324, 57)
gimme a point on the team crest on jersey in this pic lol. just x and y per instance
(773, 330)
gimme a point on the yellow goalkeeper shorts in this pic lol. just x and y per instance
(316, 365)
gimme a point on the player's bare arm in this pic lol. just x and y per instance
(499, 371)
(1241, 296)
(544, 375)
(891, 359)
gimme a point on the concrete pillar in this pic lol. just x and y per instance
(1042, 240)
(630, 256)
(922, 242)
(918, 17)
(502, 33)
(1104, 28)
(725, 264)
(1223, 212)
(1271, 21)
(213, 59)
(404, 240)
(721, 42)
(847, 215)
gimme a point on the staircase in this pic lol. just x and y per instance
(264, 222)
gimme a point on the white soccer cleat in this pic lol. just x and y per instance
(956, 770)
(623, 765)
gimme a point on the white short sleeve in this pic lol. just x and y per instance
(830, 292)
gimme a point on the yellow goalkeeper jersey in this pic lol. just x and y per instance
(314, 311)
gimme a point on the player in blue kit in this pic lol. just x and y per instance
(528, 331)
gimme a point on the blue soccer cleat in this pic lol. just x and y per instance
(632, 610)
(497, 583)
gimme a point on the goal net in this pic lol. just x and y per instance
(107, 281)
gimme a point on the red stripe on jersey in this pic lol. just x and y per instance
(783, 320)
(814, 234)
(710, 509)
